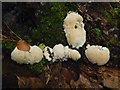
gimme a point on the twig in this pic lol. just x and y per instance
(12, 31)
(9, 40)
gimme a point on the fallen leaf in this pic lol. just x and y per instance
(110, 77)
(29, 82)
(23, 45)
(67, 75)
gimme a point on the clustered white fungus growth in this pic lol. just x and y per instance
(97, 54)
(76, 37)
(34, 55)
(61, 52)
(74, 30)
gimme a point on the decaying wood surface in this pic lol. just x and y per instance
(57, 76)
(60, 75)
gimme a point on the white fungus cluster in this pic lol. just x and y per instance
(74, 30)
(76, 37)
(34, 55)
(97, 54)
(61, 52)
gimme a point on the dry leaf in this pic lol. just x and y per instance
(67, 75)
(23, 45)
(29, 82)
(110, 77)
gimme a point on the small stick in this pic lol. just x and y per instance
(12, 31)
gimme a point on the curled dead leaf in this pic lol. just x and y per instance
(23, 45)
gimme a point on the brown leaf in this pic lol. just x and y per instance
(94, 15)
(67, 75)
(23, 45)
(29, 82)
(104, 21)
(85, 81)
(110, 77)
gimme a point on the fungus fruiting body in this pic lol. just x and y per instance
(61, 52)
(67, 51)
(97, 54)
(27, 56)
(47, 53)
(72, 53)
(74, 30)
(75, 55)
(58, 51)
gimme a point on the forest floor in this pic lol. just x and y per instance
(102, 27)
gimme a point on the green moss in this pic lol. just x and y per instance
(50, 30)
(49, 22)
(42, 45)
(114, 56)
(38, 67)
(8, 45)
(98, 32)
(113, 16)
(112, 41)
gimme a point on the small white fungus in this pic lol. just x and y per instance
(61, 52)
(75, 55)
(64, 52)
(67, 51)
(97, 54)
(58, 51)
(47, 54)
(72, 53)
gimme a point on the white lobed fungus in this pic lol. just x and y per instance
(71, 53)
(58, 51)
(31, 56)
(67, 51)
(74, 30)
(61, 52)
(97, 54)
(75, 55)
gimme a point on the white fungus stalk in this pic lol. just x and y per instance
(74, 30)
(97, 54)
